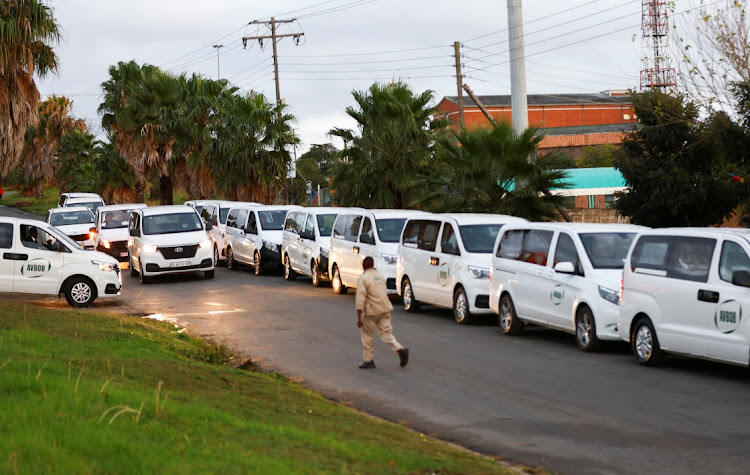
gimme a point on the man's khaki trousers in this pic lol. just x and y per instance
(381, 322)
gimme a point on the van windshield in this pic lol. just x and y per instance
(479, 238)
(325, 224)
(71, 217)
(115, 219)
(272, 220)
(92, 205)
(389, 230)
(607, 250)
(171, 223)
(223, 212)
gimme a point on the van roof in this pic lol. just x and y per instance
(479, 218)
(325, 210)
(70, 209)
(81, 195)
(701, 232)
(125, 206)
(385, 213)
(585, 227)
(166, 209)
(89, 198)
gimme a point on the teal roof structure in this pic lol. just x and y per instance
(588, 178)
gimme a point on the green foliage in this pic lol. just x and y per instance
(675, 165)
(392, 146)
(597, 156)
(77, 157)
(487, 170)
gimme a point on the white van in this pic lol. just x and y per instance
(167, 240)
(75, 222)
(253, 235)
(215, 212)
(305, 242)
(90, 200)
(36, 258)
(444, 260)
(366, 233)
(564, 276)
(687, 291)
(198, 204)
(88, 196)
(111, 230)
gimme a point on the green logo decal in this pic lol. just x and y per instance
(35, 268)
(728, 316)
(557, 294)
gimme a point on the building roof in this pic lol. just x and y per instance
(546, 99)
(591, 181)
(589, 129)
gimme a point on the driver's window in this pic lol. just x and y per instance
(733, 258)
(310, 227)
(448, 241)
(33, 237)
(565, 251)
(252, 224)
(367, 235)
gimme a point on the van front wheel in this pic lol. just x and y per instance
(510, 324)
(461, 307)
(586, 330)
(338, 287)
(645, 344)
(411, 304)
(80, 292)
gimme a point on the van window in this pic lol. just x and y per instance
(172, 223)
(411, 233)
(690, 259)
(223, 214)
(448, 241)
(352, 230)
(6, 235)
(367, 235)
(242, 218)
(428, 233)
(733, 258)
(272, 220)
(650, 252)
(479, 237)
(310, 226)
(389, 230)
(299, 222)
(34, 237)
(325, 224)
(342, 223)
(231, 219)
(64, 218)
(607, 250)
(290, 222)
(115, 219)
(565, 251)
(252, 224)
(536, 245)
(511, 244)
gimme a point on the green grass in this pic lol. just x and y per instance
(84, 392)
(38, 206)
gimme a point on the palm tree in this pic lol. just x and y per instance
(27, 28)
(42, 142)
(392, 147)
(487, 170)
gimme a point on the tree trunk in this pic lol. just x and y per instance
(40, 189)
(139, 190)
(165, 190)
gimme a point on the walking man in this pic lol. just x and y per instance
(374, 311)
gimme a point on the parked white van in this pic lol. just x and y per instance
(305, 242)
(75, 222)
(111, 230)
(364, 233)
(90, 200)
(168, 239)
(253, 235)
(444, 260)
(564, 276)
(687, 291)
(36, 258)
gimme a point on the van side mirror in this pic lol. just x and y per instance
(134, 232)
(209, 226)
(565, 268)
(741, 278)
(307, 235)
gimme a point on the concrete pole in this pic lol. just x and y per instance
(275, 62)
(459, 82)
(519, 107)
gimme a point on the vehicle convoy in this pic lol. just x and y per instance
(167, 240)
(564, 276)
(37, 258)
(253, 236)
(75, 222)
(360, 233)
(687, 291)
(110, 230)
(305, 242)
(444, 260)
(90, 200)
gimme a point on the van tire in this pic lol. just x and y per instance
(585, 327)
(257, 264)
(338, 287)
(315, 274)
(209, 274)
(411, 304)
(80, 292)
(231, 263)
(461, 307)
(144, 279)
(133, 272)
(508, 319)
(289, 273)
(645, 344)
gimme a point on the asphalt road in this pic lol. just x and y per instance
(534, 399)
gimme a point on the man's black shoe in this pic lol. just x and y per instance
(403, 355)
(367, 364)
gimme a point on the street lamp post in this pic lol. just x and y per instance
(218, 68)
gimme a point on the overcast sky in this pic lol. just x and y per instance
(571, 46)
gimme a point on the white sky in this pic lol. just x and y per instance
(318, 76)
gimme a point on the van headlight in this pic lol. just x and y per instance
(104, 266)
(324, 252)
(609, 295)
(273, 247)
(105, 244)
(479, 272)
(206, 244)
(149, 248)
(389, 259)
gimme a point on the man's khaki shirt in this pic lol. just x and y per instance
(372, 294)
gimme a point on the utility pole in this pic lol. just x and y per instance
(459, 82)
(518, 104)
(274, 38)
(218, 67)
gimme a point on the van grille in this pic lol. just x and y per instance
(179, 252)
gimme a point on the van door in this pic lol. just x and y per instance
(40, 264)
(251, 237)
(340, 247)
(534, 286)
(290, 238)
(449, 259)
(421, 259)
(367, 244)
(8, 257)
(308, 248)
(351, 259)
(563, 290)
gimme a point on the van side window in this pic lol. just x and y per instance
(242, 218)
(733, 258)
(341, 225)
(205, 214)
(6, 235)
(367, 235)
(352, 230)
(232, 218)
(411, 232)
(536, 245)
(511, 244)
(565, 251)
(310, 226)
(252, 224)
(289, 222)
(448, 241)
(299, 222)
(690, 259)
(650, 252)
(427, 239)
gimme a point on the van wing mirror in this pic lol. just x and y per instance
(209, 226)
(134, 232)
(565, 268)
(307, 235)
(741, 278)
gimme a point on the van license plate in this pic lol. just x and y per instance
(124, 254)
(179, 264)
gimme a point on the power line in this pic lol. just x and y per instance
(368, 54)
(358, 3)
(204, 47)
(368, 70)
(369, 62)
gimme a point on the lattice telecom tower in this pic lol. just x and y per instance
(657, 72)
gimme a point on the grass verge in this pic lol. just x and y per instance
(83, 392)
(38, 206)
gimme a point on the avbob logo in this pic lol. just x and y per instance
(35, 268)
(728, 316)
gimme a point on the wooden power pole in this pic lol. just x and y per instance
(459, 82)
(274, 38)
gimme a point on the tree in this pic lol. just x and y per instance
(27, 29)
(675, 166)
(392, 146)
(76, 162)
(597, 156)
(487, 170)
